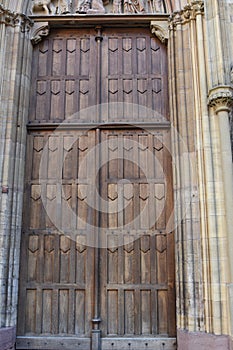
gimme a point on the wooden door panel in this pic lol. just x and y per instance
(57, 266)
(136, 267)
(63, 80)
(134, 75)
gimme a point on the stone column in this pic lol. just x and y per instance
(202, 255)
(221, 102)
(184, 109)
(15, 67)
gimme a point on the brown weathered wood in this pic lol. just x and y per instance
(135, 267)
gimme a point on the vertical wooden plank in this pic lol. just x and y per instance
(127, 55)
(30, 322)
(80, 312)
(57, 96)
(112, 259)
(66, 207)
(129, 259)
(57, 65)
(128, 154)
(63, 310)
(65, 265)
(38, 145)
(43, 49)
(128, 202)
(113, 165)
(129, 312)
(161, 247)
(71, 60)
(53, 144)
(83, 94)
(49, 258)
(42, 93)
(160, 206)
(128, 98)
(141, 55)
(112, 206)
(70, 97)
(46, 311)
(112, 314)
(162, 312)
(71, 314)
(145, 268)
(113, 56)
(35, 207)
(68, 156)
(33, 252)
(55, 307)
(83, 149)
(155, 56)
(38, 311)
(84, 56)
(81, 256)
(144, 207)
(82, 206)
(146, 312)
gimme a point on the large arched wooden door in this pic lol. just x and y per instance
(97, 258)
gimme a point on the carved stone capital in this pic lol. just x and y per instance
(160, 30)
(188, 13)
(221, 98)
(40, 30)
(15, 19)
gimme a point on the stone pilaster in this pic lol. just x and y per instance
(15, 65)
(221, 101)
(184, 94)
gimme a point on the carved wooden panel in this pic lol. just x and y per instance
(63, 80)
(56, 265)
(134, 74)
(133, 77)
(137, 266)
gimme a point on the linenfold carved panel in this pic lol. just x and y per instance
(64, 7)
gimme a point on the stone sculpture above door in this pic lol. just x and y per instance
(63, 7)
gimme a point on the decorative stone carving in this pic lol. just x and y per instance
(134, 6)
(56, 7)
(40, 30)
(50, 7)
(15, 19)
(160, 30)
(221, 98)
(188, 13)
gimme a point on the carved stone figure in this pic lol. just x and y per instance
(64, 6)
(41, 6)
(51, 7)
(134, 6)
(116, 6)
(88, 6)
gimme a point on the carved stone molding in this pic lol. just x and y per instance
(15, 19)
(160, 30)
(40, 30)
(221, 98)
(188, 13)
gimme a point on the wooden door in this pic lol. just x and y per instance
(97, 259)
(137, 265)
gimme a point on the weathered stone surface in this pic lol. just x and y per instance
(193, 341)
(7, 338)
